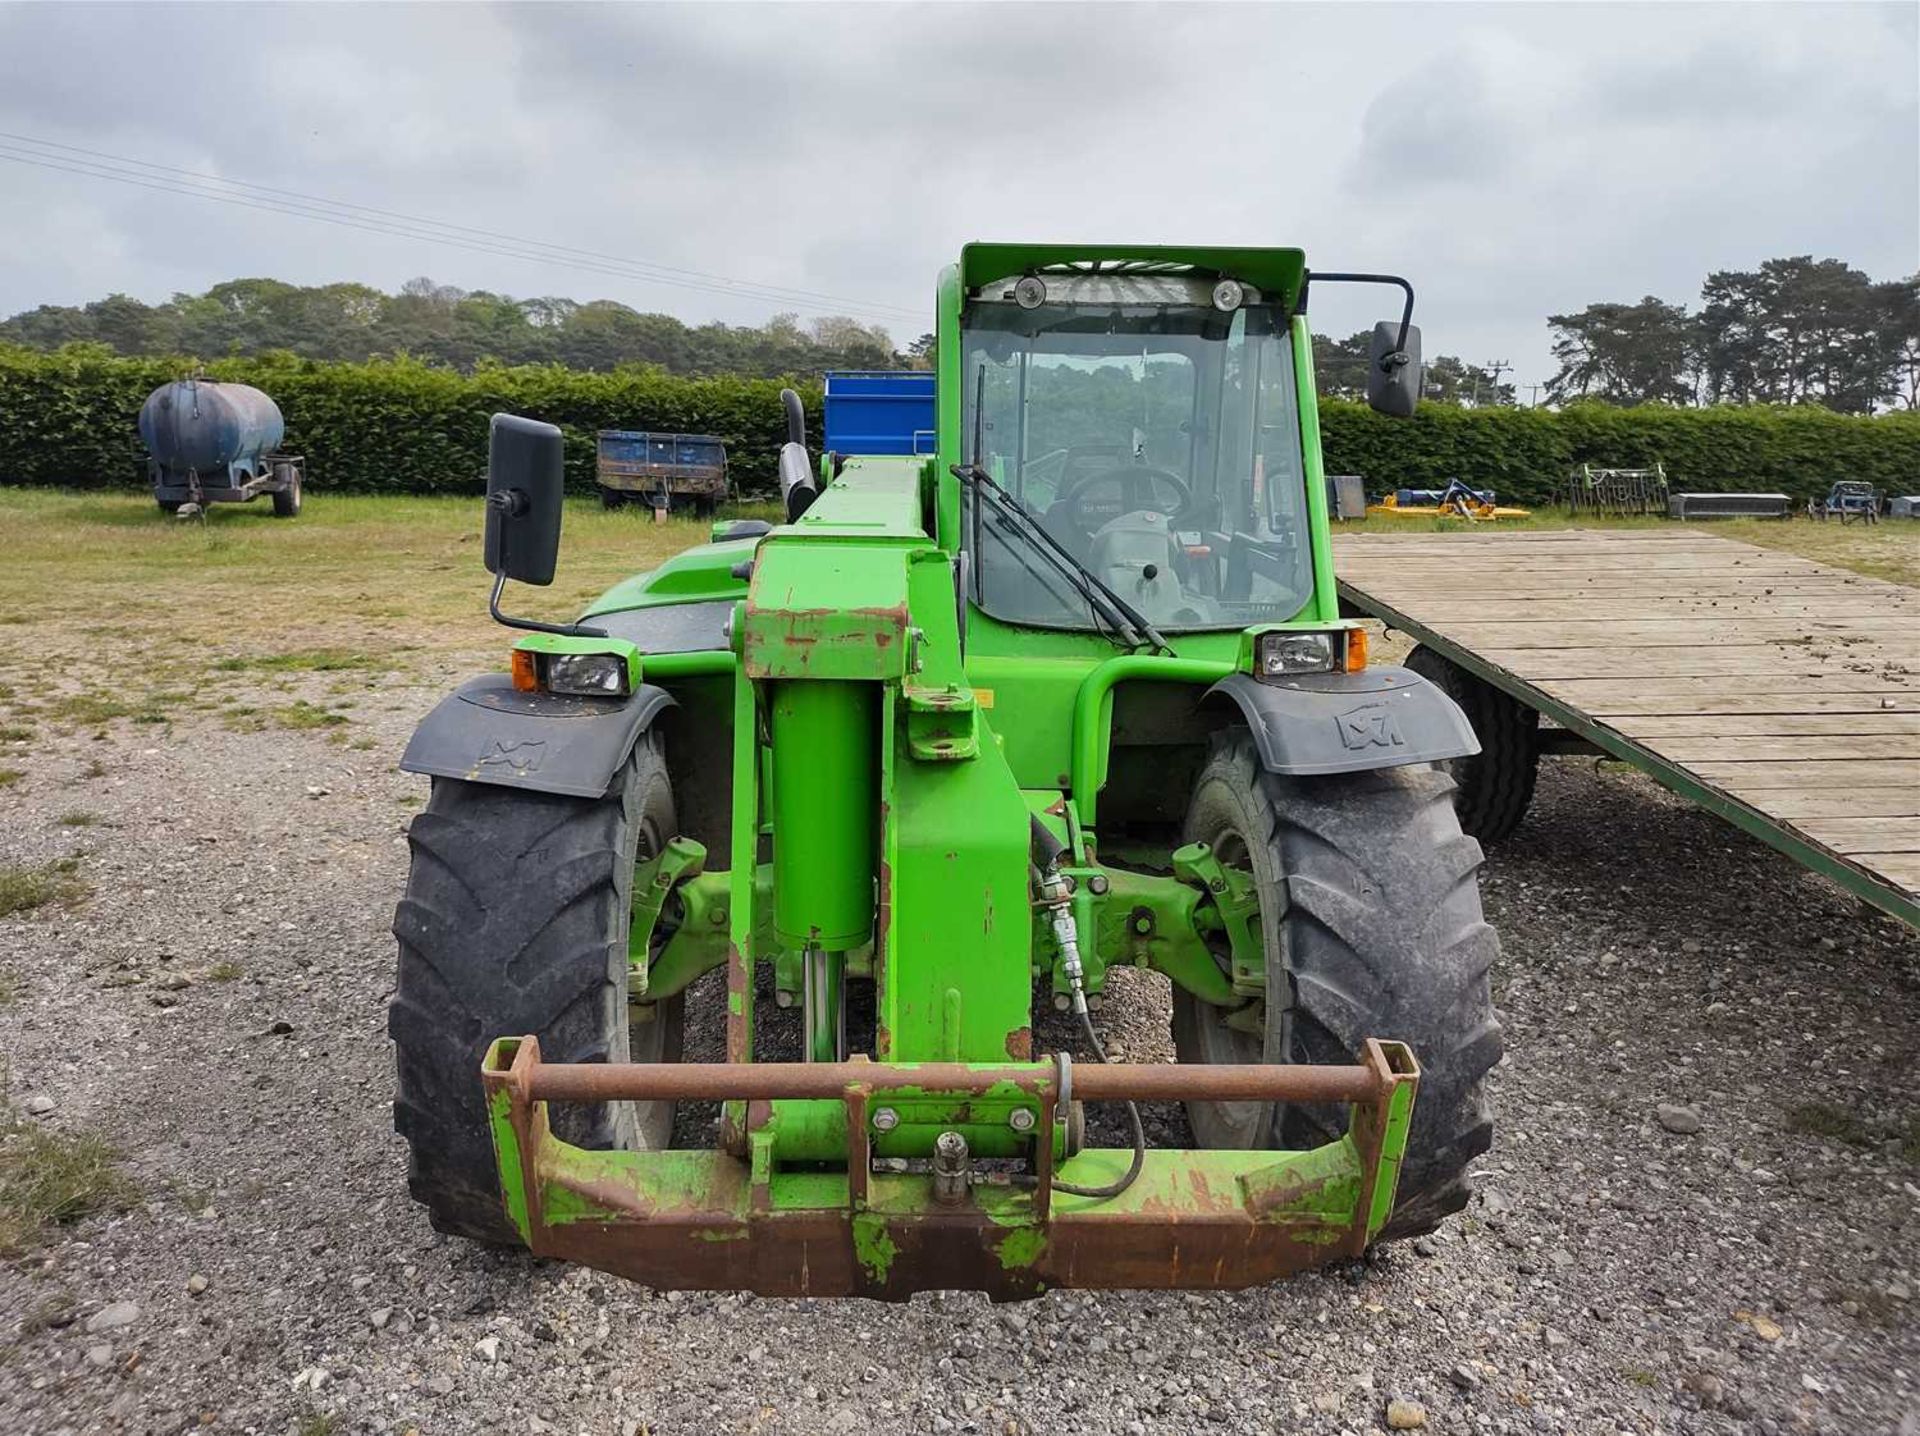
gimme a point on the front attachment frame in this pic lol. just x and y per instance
(878, 1225)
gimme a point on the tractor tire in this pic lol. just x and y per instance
(515, 921)
(1370, 899)
(1493, 788)
(286, 502)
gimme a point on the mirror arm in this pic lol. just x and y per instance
(1399, 357)
(571, 630)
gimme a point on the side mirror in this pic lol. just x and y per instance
(1393, 371)
(526, 477)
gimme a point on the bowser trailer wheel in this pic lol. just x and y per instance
(515, 921)
(286, 501)
(1370, 918)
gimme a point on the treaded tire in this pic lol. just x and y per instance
(1382, 936)
(515, 920)
(1494, 787)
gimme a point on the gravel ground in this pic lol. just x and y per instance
(1612, 1275)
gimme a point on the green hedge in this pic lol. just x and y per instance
(69, 419)
(1525, 455)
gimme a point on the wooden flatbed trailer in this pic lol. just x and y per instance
(1779, 693)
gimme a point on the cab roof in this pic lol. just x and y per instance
(1275, 272)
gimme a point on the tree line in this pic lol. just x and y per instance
(447, 326)
(1794, 331)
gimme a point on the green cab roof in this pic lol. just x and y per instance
(1276, 272)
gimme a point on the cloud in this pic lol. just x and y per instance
(1513, 160)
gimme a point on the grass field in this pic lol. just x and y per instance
(110, 609)
(357, 574)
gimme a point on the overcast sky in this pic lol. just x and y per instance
(1512, 160)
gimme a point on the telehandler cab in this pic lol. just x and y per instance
(968, 731)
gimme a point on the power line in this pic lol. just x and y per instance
(652, 266)
(145, 175)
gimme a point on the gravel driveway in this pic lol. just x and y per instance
(217, 1008)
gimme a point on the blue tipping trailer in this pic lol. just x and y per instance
(661, 470)
(879, 411)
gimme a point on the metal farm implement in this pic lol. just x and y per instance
(964, 733)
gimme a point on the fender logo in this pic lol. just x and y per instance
(1369, 726)
(523, 758)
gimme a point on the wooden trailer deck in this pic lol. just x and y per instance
(1780, 693)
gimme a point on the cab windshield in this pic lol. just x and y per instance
(1156, 438)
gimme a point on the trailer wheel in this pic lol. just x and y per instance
(1494, 787)
(612, 498)
(286, 500)
(515, 921)
(169, 506)
(1370, 902)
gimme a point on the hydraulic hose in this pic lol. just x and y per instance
(1056, 892)
(1127, 1178)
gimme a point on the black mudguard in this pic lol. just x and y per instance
(1347, 722)
(487, 731)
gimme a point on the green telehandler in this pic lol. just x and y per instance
(964, 733)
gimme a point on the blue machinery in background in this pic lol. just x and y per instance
(879, 411)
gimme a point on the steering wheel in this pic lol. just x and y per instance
(1137, 486)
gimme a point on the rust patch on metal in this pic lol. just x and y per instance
(1020, 1044)
(739, 1006)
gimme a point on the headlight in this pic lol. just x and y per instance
(1284, 654)
(587, 675)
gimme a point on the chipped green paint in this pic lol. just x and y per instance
(1022, 1246)
(1393, 1153)
(873, 1245)
(506, 1145)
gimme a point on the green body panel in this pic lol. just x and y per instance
(694, 574)
(825, 811)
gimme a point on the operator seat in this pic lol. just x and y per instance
(1138, 555)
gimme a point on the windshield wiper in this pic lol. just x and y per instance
(1127, 620)
(1040, 561)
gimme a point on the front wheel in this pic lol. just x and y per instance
(515, 921)
(1370, 915)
